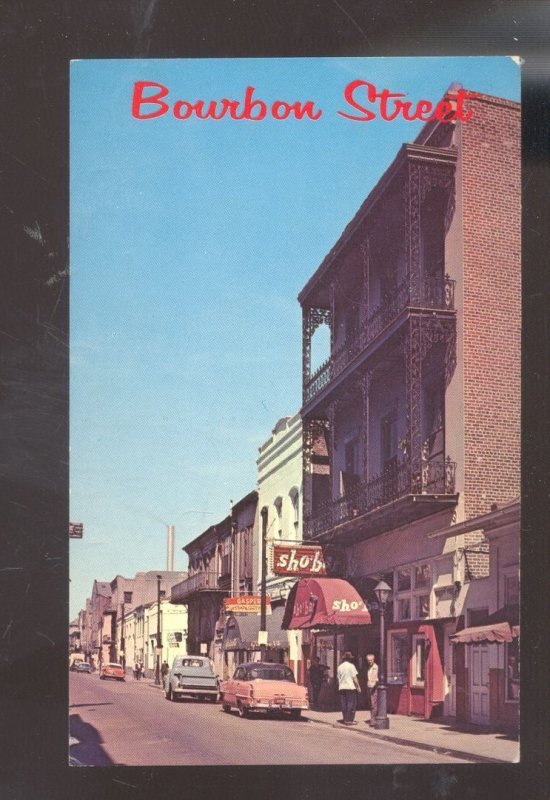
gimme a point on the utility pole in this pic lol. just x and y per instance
(263, 582)
(122, 642)
(159, 640)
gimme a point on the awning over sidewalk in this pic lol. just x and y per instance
(502, 626)
(322, 603)
(499, 632)
(241, 631)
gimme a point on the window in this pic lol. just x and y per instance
(418, 660)
(403, 579)
(398, 657)
(511, 590)
(404, 608)
(423, 606)
(278, 503)
(414, 585)
(512, 671)
(127, 597)
(388, 438)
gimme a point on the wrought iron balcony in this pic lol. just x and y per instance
(432, 478)
(435, 293)
(200, 582)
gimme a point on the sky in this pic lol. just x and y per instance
(190, 240)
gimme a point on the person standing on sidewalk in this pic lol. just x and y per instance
(348, 686)
(372, 688)
(317, 676)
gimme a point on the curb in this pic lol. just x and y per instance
(442, 751)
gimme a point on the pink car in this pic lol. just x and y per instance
(264, 687)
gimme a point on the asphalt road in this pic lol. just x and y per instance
(132, 724)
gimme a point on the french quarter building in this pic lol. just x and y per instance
(411, 425)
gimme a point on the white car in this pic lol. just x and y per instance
(191, 676)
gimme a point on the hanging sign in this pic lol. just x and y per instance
(299, 560)
(247, 604)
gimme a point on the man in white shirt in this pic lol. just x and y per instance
(372, 687)
(348, 686)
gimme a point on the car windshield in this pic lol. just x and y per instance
(115, 666)
(270, 672)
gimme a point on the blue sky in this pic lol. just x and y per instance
(190, 241)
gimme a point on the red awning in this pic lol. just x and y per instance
(324, 602)
(498, 632)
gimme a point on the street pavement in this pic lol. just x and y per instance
(132, 724)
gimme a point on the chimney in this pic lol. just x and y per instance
(170, 558)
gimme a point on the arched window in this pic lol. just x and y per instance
(294, 495)
(278, 503)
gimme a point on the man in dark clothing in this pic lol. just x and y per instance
(317, 672)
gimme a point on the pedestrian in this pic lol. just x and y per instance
(348, 687)
(136, 671)
(372, 688)
(164, 670)
(317, 676)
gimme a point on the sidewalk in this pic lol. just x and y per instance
(444, 736)
(439, 736)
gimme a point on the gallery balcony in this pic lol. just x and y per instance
(394, 498)
(195, 584)
(434, 294)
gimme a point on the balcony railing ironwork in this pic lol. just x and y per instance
(201, 581)
(435, 477)
(435, 292)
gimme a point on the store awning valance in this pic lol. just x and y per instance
(498, 632)
(241, 631)
(501, 626)
(322, 603)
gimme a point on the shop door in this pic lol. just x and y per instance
(479, 683)
(449, 674)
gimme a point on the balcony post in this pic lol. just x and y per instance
(413, 380)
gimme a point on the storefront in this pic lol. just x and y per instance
(240, 640)
(333, 611)
(488, 671)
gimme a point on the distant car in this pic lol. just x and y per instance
(266, 687)
(83, 666)
(115, 671)
(191, 676)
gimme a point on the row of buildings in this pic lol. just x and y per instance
(403, 463)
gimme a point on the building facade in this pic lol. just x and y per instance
(208, 582)
(416, 405)
(280, 497)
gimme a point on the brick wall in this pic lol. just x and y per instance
(490, 172)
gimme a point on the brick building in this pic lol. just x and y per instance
(418, 399)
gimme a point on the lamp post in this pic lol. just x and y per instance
(382, 592)
(263, 581)
(159, 641)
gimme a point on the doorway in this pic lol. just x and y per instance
(479, 683)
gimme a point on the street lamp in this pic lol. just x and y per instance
(382, 592)
(159, 641)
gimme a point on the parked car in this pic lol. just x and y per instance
(266, 687)
(83, 666)
(191, 676)
(115, 671)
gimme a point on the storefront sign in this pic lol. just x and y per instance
(301, 560)
(247, 604)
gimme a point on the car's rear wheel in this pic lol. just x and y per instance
(295, 713)
(243, 710)
(226, 707)
(170, 694)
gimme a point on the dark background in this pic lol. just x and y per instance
(38, 40)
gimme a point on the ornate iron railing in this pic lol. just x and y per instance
(435, 477)
(201, 581)
(437, 293)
